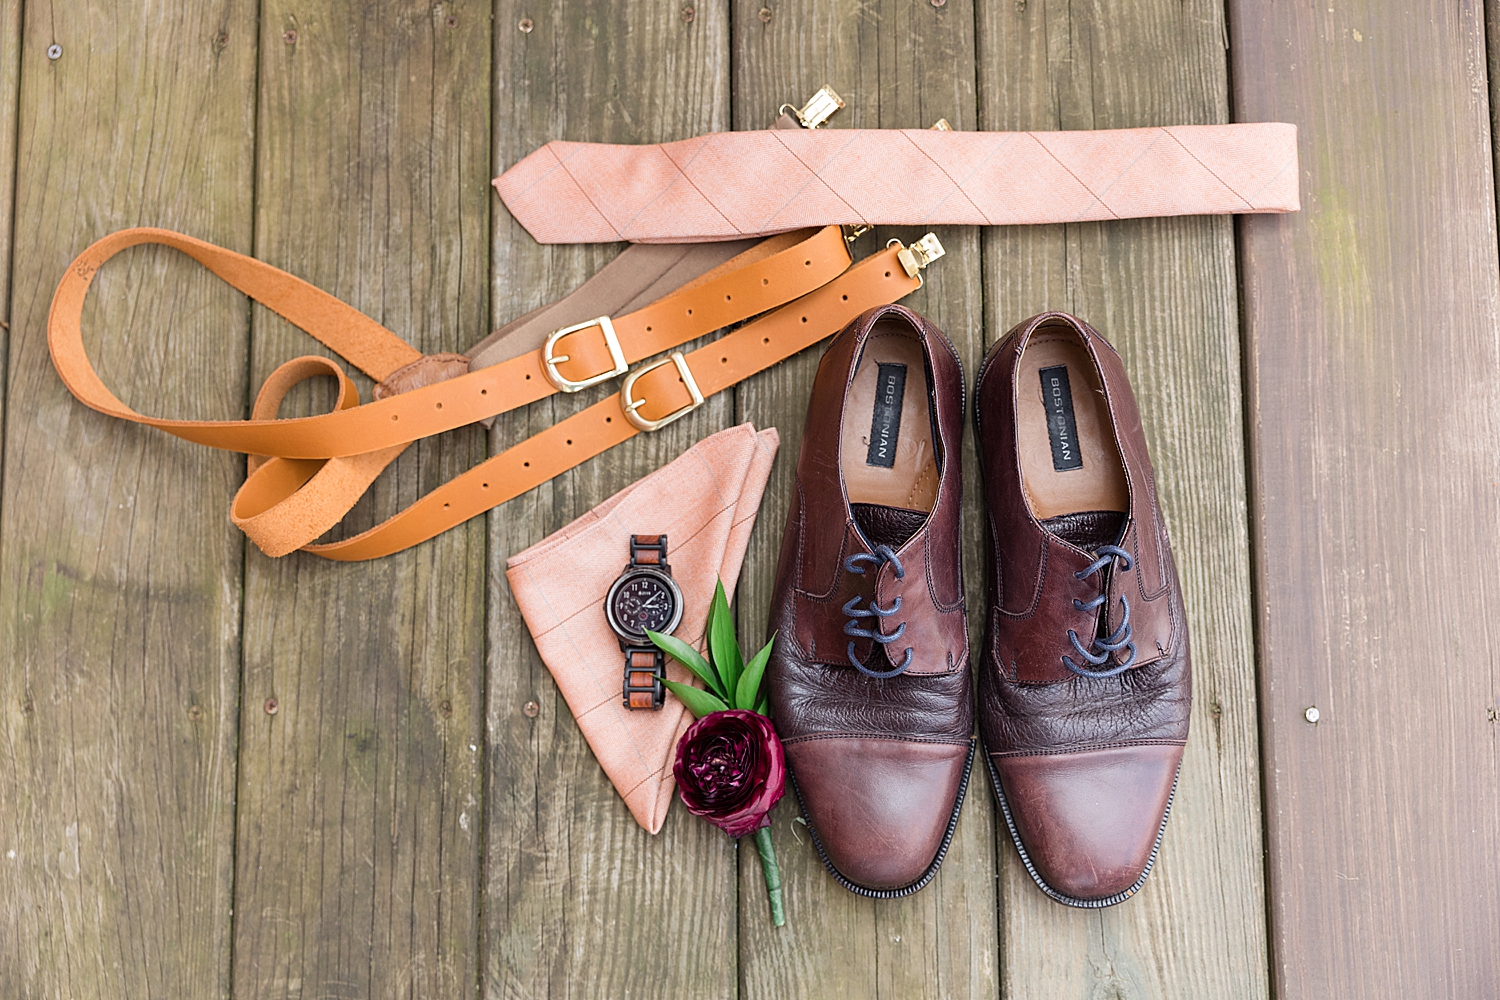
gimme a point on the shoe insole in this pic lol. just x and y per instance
(886, 452)
(1069, 459)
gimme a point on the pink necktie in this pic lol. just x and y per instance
(730, 185)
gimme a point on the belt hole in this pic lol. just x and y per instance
(846, 298)
(807, 263)
(570, 440)
(723, 361)
(440, 406)
(765, 281)
(526, 464)
(804, 319)
(648, 329)
(445, 506)
(690, 312)
(484, 486)
(486, 392)
(609, 420)
(528, 378)
(394, 418)
(887, 274)
(766, 340)
(726, 298)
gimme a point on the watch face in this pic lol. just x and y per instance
(644, 601)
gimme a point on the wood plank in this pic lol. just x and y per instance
(10, 95)
(898, 65)
(119, 572)
(1371, 341)
(579, 900)
(1163, 292)
(359, 822)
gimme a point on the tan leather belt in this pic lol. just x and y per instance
(307, 472)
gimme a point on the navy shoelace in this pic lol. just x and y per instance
(854, 564)
(1100, 649)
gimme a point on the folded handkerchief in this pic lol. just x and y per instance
(705, 502)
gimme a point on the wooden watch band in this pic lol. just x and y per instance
(649, 550)
(645, 666)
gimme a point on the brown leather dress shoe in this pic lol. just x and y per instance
(869, 679)
(1084, 682)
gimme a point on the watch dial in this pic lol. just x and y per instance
(644, 602)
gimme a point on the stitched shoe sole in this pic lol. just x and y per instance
(1091, 904)
(926, 876)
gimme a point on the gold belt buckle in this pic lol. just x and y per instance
(630, 406)
(551, 361)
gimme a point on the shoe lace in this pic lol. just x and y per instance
(855, 564)
(1100, 649)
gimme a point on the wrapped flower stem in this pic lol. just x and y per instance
(773, 874)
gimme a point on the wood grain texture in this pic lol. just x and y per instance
(360, 815)
(579, 900)
(119, 572)
(10, 96)
(897, 65)
(1163, 292)
(1371, 337)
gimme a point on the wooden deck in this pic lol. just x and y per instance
(225, 775)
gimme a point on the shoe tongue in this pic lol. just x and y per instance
(882, 525)
(1088, 529)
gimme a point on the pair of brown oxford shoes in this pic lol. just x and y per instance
(1084, 680)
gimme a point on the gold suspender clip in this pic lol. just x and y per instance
(819, 108)
(919, 254)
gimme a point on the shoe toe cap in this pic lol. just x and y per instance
(880, 808)
(1089, 820)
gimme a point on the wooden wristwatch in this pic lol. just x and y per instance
(644, 597)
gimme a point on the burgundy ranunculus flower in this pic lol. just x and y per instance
(731, 769)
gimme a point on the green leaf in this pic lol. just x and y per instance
(721, 642)
(700, 703)
(748, 691)
(763, 707)
(690, 658)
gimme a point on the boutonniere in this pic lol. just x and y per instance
(730, 766)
